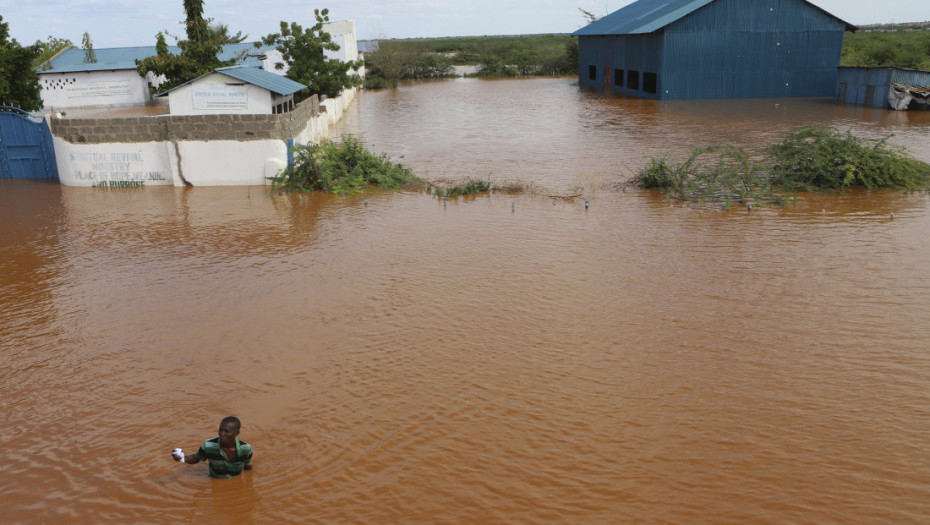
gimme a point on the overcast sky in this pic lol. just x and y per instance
(116, 23)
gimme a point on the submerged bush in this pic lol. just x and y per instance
(817, 157)
(469, 187)
(723, 172)
(812, 157)
(341, 169)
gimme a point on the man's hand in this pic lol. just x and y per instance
(178, 455)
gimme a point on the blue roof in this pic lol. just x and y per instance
(265, 79)
(252, 75)
(118, 58)
(367, 46)
(647, 16)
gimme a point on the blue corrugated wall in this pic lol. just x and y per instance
(727, 49)
(868, 86)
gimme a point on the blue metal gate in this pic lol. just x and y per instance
(26, 148)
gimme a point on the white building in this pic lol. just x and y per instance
(234, 90)
(70, 81)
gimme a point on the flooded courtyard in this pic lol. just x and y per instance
(496, 359)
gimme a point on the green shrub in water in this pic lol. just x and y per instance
(723, 172)
(817, 157)
(342, 169)
(812, 157)
(469, 187)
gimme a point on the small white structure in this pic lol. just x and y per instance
(343, 34)
(234, 90)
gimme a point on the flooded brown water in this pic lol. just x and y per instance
(499, 359)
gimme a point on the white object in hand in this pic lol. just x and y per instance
(178, 453)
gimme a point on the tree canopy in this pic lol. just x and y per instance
(19, 80)
(303, 51)
(199, 52)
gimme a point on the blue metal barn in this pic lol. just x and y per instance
(712, 49)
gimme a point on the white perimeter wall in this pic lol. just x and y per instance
(213, 163)
(93, 88)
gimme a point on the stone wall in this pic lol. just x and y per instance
(166, 128)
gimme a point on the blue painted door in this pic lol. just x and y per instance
(26, 148)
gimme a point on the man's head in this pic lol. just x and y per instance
(229, 429)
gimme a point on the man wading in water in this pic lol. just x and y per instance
(227, 455)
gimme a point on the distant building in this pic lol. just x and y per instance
(234, 90)
(72, 82)
(713, 49)
(368, 46)
(884, 87)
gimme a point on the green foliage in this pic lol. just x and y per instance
(722, 173)
(341, 169)
(469, 187)
(48, 49)
(494, 56)
(906, 49)
(90, 57)
(816, 157)
(303, 51)
(812, 157)
(19, 80)
(199, 53)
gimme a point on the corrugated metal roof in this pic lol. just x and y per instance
(646, 16)
(118, 58)
(367, 46)
(252, 75)
(265, 79)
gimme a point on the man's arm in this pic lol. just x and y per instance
(193, 459)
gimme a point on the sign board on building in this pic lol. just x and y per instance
(107, 88)
(220, 96)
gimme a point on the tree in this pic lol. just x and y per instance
(48, 49)
(303, 51)
(199, 53)
(19, 80)
(589, 17)
(88, 46)
(221, 32)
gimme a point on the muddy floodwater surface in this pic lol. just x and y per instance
(496, 359)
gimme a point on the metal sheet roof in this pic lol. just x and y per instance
(646, 16)
(252, 75)
(265, 79)
(118, 58)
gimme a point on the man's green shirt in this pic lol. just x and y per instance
(220, 465)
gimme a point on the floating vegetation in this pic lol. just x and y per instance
(812, 158)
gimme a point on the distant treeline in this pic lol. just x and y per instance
(902, 48)
(492, 56)
(557, 54)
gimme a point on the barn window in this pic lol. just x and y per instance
(592, 72)
(618, 78)
(650, 81)
(632, 79)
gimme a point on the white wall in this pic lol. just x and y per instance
(124, 164)
(181, 100)
(342, 33)
(213, 163)
(93, 88)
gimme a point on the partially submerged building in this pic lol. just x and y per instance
(884, 87)
(712, 49)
